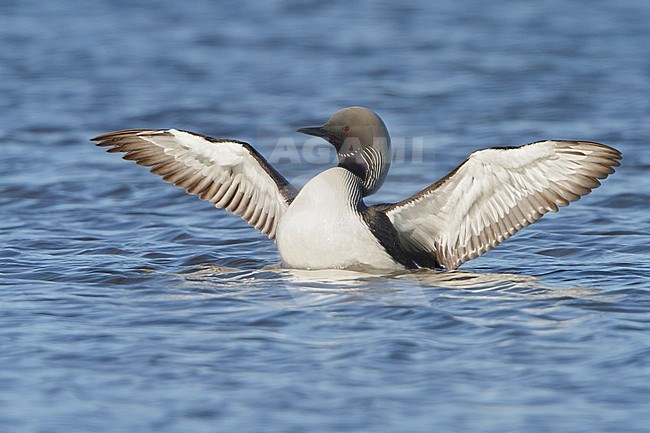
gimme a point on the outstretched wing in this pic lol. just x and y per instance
(494, 194)
(229, 173)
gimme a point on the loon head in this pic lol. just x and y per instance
(362, 144)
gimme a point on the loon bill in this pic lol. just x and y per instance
(492, 195)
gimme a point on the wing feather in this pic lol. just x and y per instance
(494, 194)
(228, 173)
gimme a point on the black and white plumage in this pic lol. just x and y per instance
(229, 173)
(489, 197)
(494, 194)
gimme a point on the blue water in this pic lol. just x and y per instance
(126, 305)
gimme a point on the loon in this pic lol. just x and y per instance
(489, 197)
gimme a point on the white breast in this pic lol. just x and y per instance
(322, 229)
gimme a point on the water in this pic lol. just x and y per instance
(127, 306)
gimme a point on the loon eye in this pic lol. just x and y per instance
(346, 129)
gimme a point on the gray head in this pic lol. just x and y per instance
(362, 144)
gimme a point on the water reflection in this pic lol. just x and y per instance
(423, 285)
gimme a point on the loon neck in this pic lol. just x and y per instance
(369, 164)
